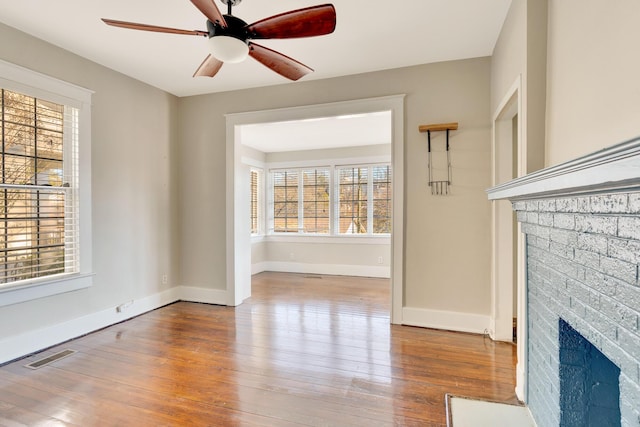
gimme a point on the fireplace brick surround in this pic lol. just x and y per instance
(582, 266)
(581, 222)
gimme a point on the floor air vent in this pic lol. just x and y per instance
(312, 276)
(50, 359)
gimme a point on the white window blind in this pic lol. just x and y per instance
(256, 194)
(38, 188)
(353, 193)
(381, 198)
(285, 201)
(315, 201)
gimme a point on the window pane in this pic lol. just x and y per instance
(19, 139)
(353, 200)
(32, 243)
(315, 203)
(381, 199)
(49, 144)
(285, 201)
(19, 109)
(32, 220)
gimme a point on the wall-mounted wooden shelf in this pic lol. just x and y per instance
(438, 127)
(439, 187)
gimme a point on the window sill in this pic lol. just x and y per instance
(40, 288)
(353, 239)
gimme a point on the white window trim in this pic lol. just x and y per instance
(32, 83)
(355, 239)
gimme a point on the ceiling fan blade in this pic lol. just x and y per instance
(209, 67)
(307, 22)
(210, 10)
(154, 28)
(281, 64)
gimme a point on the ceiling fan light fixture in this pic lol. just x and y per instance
(228, 48)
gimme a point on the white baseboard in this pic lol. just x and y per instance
(204, 295)
(521, 378)
(21, 345)
(30, 342)
(448, 320)
(331, 269)
(259, 267)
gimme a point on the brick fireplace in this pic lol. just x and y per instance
(582, 226)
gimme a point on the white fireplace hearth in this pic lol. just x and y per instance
(581, 220)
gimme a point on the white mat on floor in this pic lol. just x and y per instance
(464, 412)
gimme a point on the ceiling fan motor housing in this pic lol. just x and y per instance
(236, 28)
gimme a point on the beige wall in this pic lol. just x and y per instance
(521, 51)
(579, 56)
(135, 240)
(323, 257)
(593, 83)
(509, 59)
(447, 265)
(259, 253)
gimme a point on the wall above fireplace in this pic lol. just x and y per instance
(582, 225)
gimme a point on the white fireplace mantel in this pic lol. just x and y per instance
(578, 262)
(612, 169)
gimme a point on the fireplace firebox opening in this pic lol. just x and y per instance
(589, 382)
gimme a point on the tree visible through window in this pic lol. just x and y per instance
(381, 199)
(285, 201)
(315, 201)
(353, 200)
(34, 239)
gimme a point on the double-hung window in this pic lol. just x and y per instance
(301, 201)
(37, 225)
(40, 227)
(364, 199)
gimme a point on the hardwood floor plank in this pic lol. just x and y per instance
(302, 351)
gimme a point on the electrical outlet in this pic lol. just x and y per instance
(379, 260)
(292, 256)
(165, 280)
(122, 307)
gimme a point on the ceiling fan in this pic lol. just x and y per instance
(231, 38)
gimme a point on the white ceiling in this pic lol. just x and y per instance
(370, 35)
(354, 130)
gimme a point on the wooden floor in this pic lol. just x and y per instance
(303, 351)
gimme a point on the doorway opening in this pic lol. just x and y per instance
(321, 194)
(239, 266)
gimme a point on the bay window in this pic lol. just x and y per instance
(335, 200)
